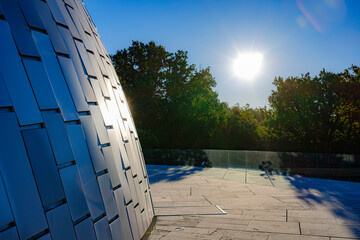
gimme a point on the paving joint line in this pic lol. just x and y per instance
(250, 190)
(224, 174)
(207, 199)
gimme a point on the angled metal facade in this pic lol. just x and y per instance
(71, 165)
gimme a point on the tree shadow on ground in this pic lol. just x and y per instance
(341, 198)
(157, 173)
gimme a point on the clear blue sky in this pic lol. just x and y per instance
(295, 36)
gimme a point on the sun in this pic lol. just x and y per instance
(247, 65)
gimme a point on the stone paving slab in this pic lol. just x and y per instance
(176, 211)
(257, 205)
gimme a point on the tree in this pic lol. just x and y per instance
(173, 103)
(309, 114)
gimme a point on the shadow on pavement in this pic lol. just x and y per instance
(340, 197)
(157, 173)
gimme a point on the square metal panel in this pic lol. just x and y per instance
(111, 165)
(19, 180)
(108, 120)
(84, 37)
(116, 230)
(56, 13)
(102, 229)
(69, 22)
(58, 138)
(10, 234)
(133, 220)
(45, 237)
(85, 230)
(93, 143)
(14, 76)
(99, 124)
(40, 84)
(73, 84)
(31, 15)
(86, 171)
(123, 215)
(85, 58)
(140, 221)
(60, 224)
(56, 77)
(4, 95)
(107, 195)
(74, 192)
(98, 75)
(51, 27)
(43, 166)
(80, 70)
(19, 29)
(119, 165)
(6, 216)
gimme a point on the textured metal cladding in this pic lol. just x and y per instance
(71, 164)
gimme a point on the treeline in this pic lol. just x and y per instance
(174, 105)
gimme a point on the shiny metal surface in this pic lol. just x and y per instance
(71, 164)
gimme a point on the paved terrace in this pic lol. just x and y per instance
(190, 203)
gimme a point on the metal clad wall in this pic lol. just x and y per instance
(71, 165)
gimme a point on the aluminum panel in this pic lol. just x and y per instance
(43, 166)
(53, 60)
(56, 77)
(74, 192)
(10, 234)
(99, 124)
(4, 95)
(116, 230)
(31, 15)
(84, 36)
(60, 224)
(40, 84)
(80, 70)
(18, 179)
(133, 221)
(108, 120)
(6, 216)
(123, 215)
(73, 84)
(19, 28)
(14, 76)
(107, 195)
(112, 168)
(93, 143)
(58, 138)
(86, 171)
(119, 166)
(56, 12)
(85, 230)
(68, 20)
(85, 58)
(45, 237)
(102, 230)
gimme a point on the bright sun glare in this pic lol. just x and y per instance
(247, 65)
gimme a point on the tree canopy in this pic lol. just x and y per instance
(174, 105)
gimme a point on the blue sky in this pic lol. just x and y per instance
(294, 36)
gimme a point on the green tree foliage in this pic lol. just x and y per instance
(319, 114)
(174, 105)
